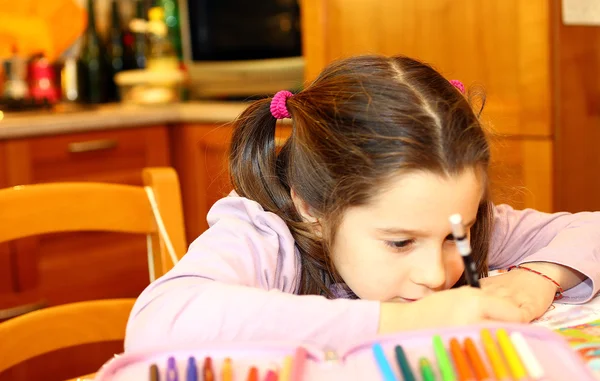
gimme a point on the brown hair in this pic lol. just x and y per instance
(362, 121)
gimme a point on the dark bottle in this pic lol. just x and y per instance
(137, 28)
(92, 68)
(116, 50)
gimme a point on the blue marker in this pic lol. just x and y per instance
(192, 370)
(172, 369)
(384, 366)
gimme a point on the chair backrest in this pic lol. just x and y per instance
(154, 209)
(64, 326)
(86, 206)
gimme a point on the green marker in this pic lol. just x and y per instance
(403, 364)
(443, 360)
(426, 370)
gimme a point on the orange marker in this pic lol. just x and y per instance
(252, 374)
(207, 370)
(461, 364)
(494, 355)
(226, 370)
(481, 373)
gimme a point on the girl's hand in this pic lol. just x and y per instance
(531, 292)
(460, 306)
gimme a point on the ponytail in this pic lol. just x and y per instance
(253, 159)
(258, 172)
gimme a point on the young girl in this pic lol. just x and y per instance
(343, 232)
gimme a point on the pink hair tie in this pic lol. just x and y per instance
(278, 107)
(458, 84)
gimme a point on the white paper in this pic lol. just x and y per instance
(581, 12)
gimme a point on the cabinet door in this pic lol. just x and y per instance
(201, 159)
(62, 268)
(6, 275)
(502, 45)
(521, 173)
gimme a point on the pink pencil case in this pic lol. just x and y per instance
(559, 362)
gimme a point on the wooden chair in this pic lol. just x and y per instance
(154, 210)
(64, 326)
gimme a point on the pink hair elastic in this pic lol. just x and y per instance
(458, 84)
(278, 105)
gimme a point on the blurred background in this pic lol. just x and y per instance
(96, 90)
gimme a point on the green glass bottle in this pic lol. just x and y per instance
(92, 66)
(172, 20)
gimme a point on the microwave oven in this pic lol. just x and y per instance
(241, 48)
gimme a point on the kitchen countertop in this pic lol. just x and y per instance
(28, 124)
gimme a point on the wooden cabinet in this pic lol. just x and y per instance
(62, 268)
(200, 158)
(521, 172)
(501, 47)
(577, 114)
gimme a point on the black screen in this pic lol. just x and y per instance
(244, 29)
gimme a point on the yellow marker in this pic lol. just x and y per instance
(226, 370)
(286, 371)
(510, 354)
(494, 356)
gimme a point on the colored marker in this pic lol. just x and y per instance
(533, 366)
(298, 364)
(494, 356)
(426, 370)
(384, 366)
(207, 370)
(286, 371)
(510, 354)
(443, 360)
(252, 374)
(172, 369)
(154, 375)
(403, 364)
(271, 375)
(226, 370)
(481, 373)
(463, 370)
(464, 248)
(192, 370)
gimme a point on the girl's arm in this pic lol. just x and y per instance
(237, 282)
(564, 246)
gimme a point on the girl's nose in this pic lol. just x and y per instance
(430, 272)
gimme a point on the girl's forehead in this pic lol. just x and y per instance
(423, 201)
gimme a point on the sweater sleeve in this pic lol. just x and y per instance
(571, 240)
(238, 282)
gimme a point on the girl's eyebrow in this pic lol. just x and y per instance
(411, 232)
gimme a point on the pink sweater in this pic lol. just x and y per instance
(239, 279)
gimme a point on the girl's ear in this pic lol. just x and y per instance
(306, 212)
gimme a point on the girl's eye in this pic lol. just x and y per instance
(400, 245)
(449, 237)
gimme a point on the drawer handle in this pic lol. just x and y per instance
(13, 312)
(92, 145)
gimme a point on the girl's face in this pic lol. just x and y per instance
(399, 247)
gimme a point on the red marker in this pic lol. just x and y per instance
(207, 370)
(271, 375)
